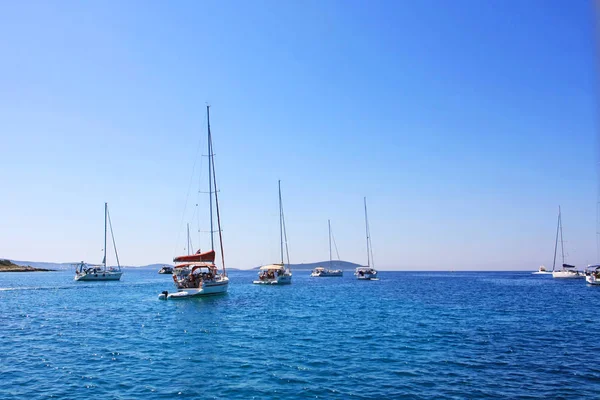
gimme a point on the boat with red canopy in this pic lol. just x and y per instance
(197, 275)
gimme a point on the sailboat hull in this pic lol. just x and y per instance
(323, 274)
(208, 289)
(280, 280)
(99, 276)
(567, 275)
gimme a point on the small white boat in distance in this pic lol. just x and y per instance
(592, 275)
(567, 271)
(368, 272)
(99, 272)
(323, 272)
(542, 271)
(275, 274)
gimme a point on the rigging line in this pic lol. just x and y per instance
(113, 238)
(188, 195)
(335, 245)
(217, 207)
(282, 227)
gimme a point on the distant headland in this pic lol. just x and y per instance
(9, 266)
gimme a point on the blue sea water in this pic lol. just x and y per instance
(409, 335)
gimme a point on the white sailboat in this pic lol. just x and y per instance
(196, 275)
(369, 272)
(100, 272)
(567, 271)
(277, 274)
(324, 272)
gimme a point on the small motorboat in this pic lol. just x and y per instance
(592, 275)
(166, 270)
(542, 271)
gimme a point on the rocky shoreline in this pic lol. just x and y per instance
(8, 266)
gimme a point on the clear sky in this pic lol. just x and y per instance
(465, 123)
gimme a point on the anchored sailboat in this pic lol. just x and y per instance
(100, 272)
(277, 274)
(567, 271)
(196, 274)
(368, 272)
(321, 271)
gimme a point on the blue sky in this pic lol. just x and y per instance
(464, 123)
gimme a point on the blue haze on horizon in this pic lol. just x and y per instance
(464, 123)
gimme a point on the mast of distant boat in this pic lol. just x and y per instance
(562, 248)
(556, 241)
(329, 224)
(105, 220)
(368, 236)
(280, 223)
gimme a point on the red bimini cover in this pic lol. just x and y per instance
(207, 256)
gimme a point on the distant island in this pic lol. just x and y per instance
(336, 264)
(8, 266)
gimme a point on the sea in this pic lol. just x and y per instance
(410, 335)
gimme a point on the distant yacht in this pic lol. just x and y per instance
(196, 275)
(99, 272)
(277, 274)
(323, 272)
(368, 272)
(567, 271)
(167, 270)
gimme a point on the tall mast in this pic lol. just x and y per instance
(210, 176)
(367, 232)
(105, 218)
(556, 241)
(280, 222)
(329, 224)
(562, 248)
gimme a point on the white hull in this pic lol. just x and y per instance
(99, 276)
(366, 277)
(542, 273)
(280, 280)
(207, 289)
(592, 280)
(567, 274)
(326, 274)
